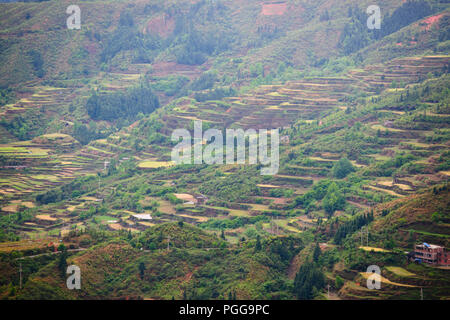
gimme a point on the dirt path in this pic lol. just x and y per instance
(47, 253)
(359, 205)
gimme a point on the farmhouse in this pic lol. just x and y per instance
(432, 254)
(201, 199)
(142, 217)
(187, 198)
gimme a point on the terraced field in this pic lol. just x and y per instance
(310, 98)
(412, 282)
(48, 161)
(85, 149)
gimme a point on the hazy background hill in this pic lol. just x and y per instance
(117, 34)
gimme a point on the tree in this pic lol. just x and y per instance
(338, 282)
(258, 243)
(436, 217)
(308, 280)
(316, 253)
(122, 105)
(389, 243)
(351, 226)
(342, 168)
(85, 134)
(333, 200)
(411, 238)
(37, 62)
(142, 270)
(62, 262)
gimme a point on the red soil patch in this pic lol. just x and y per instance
(161, 25)
(189, 276)
(431, 21)
(325, 246)
(274, 9)
(134, 125)
(281, 201)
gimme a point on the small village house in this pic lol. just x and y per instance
(432, 254)
(141, 217)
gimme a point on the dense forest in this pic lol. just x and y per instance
(125, 105)
(188, 45)
(356, 35)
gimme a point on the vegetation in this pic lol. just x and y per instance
(125, 105)
(86, 176)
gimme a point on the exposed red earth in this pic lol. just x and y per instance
(429, 22)
(162, 26)
(274, 9)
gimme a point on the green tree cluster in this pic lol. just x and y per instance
(122, 105)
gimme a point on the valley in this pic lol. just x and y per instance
(364, 142)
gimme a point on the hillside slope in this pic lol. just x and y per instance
(86, 118)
